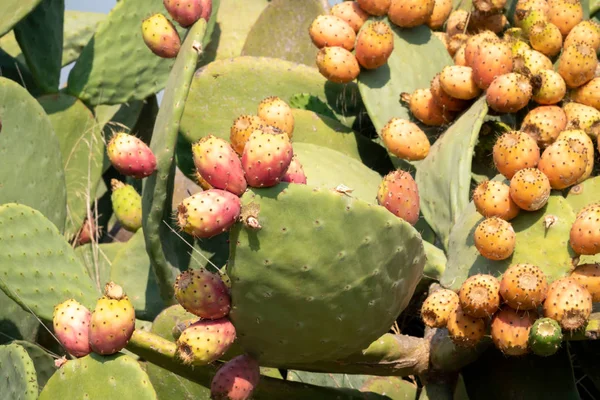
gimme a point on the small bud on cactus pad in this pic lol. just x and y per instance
(569, 303)
(405, 139)
(208, 213)
(112, 322)
(374, 45)
(437, 308)
(588, 276)
(545, 337)
(424, 108)
(350, 12)
(530, 189)
(585, 231)
(127, 205)
(337, 64)
(398, 192)
(329, 31)
(294, 173)
(479, 296)
(465, 331)
(267, 156)
(242, 128)
(236, 379)
(202, 293)
(564, 162)
(160, 36)
(130, 156)
(219, 164)
(495, 238)
(544, 124)
(492, 199)
(71, 322)
(510, 330)
(205, 341)
(276, 112)
(410, 13)
(509, 93)
(523, 286)
(375, 7)
(459, 82)
(186, 12)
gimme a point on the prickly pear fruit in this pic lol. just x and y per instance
(531, 18)
(548, 87)
(510, 330)
(205, 341)
(588, 94)
(424, 108)
(160, 36)
(242, 128)
(523, 286)
(514, 151)
(493, 58)
(580, 116)
(588, 276)
(71, 322)
(587, 31)
(276, 112)
(181, 326)
(494, 21)
(437, 308)
(569, 303)
(236, 379)
(530, 61)
(127, 205)
(398, 193)
(208, 213)
(545, 337)
(440, 13)
(202, 293)
(588, 146)
(530, 189)
(329, 31)
(546, 38)
(202, 182)
(459, 82)
(410, 13)
(459, 56)
(564, 162)
(267, 156)
(89, 231)
(544, 124)
(219, 165)
(472, 45)
(456, 22)
(294, 173)
(375, 7)
(577, 64)
(405, 139)
(523, 6)
(456, 42)
(465, 331)
(479, 297)
(489, 5)
(112, 321)
(492, 199)
(337, 64)
(585, 231)
(443, 99)
(186, 12)
(495, 238)
(130, 156)
(509, 93)
(350, 12)
(374, 45)
(565, 14)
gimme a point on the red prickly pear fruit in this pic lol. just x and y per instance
(577, 64)
(495, 238)
(523, 6)
(295, 173)
(71, 322)
(493, 58)
(568, 303)
(267, 156)
(439, 15)
(160, 36)
(330, 31)
(565, 14)
(276, 112)
(459, 82)
(437, 308)
(465, 331)
(208, 213)
(479, 296)
(202, 293)
(205, 341)
(584, 143)
(374, 45)
(588, 94)
(510, 330)
(514, 151)
(398, 192)
(112, 322)
(219, 164)
(548, 87)
(130, 156)
(530, 189)
(443, 99)
(127, 205)
(350, 12)
(584, 237)
(410, 13)
(186, 12)
(588, 276)
(337, 64)
(236, 379)
(564, 162)
(88, 232)
(489, 5)
(587, 31)
(206, 9)
(242, 128)
(523, 286)
(456, 22)
(405, 139)
(473, 45)
(375, 7)
(546, 38)
(423, 107)
(492, 199)
(509, 93)
(544, 124)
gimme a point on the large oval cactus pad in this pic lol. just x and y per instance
(325, 276)
(12, 11)
(17, 374)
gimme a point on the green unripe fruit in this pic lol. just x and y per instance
(545, 337)
(127, 205)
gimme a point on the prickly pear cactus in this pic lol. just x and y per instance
(17, 374)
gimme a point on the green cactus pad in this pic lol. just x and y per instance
(82, 150)
(30, 146)
(38, 268)
(444, 177)
(79, 29)
(587, 192)
(116, 66)
(9, 44)
(15, 323)
(281, 31)
(392, 387)
(546, 248)
(346, 290)
(13, 11)
(436, 262)
(17, 374)
(328, 379)
(98, 259)
(42, 361)
(43, 52)
(96, 377)
(306, 101)
(545, 337)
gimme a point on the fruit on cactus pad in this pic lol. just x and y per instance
(329, 31)
(423, 107)
(577, 64)
(523, 286)
(510, 330)
(71, 322)
(398, 192)
(509, 93)
(127, 205)
(243, 126)
(236, 379)
(479, 296)
(294, 173)
(459, 82)
(160, 36)
(584, 237)
(514, 151)
(375, 7)
(464, 330)
(495, 238)
(374, 45)
(405, 139)
(267, 156)
(276, 112)
(545, 337)
(564, 162)
(443, 99)
(202, 293)
(548, 87)
(410, 13)
(205, 341)
(492, 199)
(544, 124)
(588, 276)
(186, 12)
(208, 213)
(131, 156)
(565, 14)
(337, 64)
(350, 12)
(530, 189)
(569, 303)
(437, 308)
